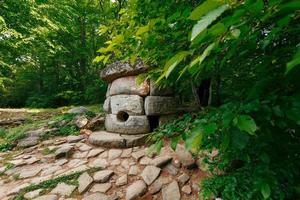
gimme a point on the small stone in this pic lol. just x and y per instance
(27, 173)
(161, 161)
(171, 169)
(102, 187)
(32, 160)
(99, 162)
(156, 186)
(121, 180)
(115, 162)
(184, 156)
(47, 197)
(94, 152)
(61, 162)
(138, 154)
(196, 187)
(125, 164)
(85, 147)
(135, 190)
(171, 192)
(96, 196)
(134, 170)
(114, 153)
(51, 170)
(63, 189)
(186, 189)
(32, 194)
(126, 153)
(150, 174)
(74, 138)
(84, 181)
(63, 151)
(28, 142)
(145, 161)
(80, 121)
(182, 179)
(79, 155)
(18, 162)
(103, 176)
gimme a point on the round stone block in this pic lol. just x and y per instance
(156, 105)
(129, 85)
(131, 104)
(125, 124)
(106, 105)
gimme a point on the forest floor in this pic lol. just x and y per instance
(65, 166)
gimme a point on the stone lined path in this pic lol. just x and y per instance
(121, 173)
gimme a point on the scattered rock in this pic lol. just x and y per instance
(84, 147)
(64, 151)
(185, 157)
(186, 189)
(114, 153)
(102, 187)
(196, 187)
(161, 161)
(63, 189)
(134, 170)
(138, 154)
(96, 196)
(51, 170)
(103, 176)
(126, 153)
(135, 190)
(47, 197)
(183, 178)
(74, 138)
(171, 192)
(99, 162)
(156, 186)
(171, 169)
(80, 121)
(150, 174)
(121, 180)
(61, 162)
(79, 155)
(115, 162)
(94, 152)
(78, 110)
(84, 181)
(28, 142)
(30, 172)
(96, 123)
(32, 194)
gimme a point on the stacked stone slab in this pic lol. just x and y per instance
(132, 109)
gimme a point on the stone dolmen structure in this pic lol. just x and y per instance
(132, 110)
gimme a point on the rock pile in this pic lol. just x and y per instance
(132, 110)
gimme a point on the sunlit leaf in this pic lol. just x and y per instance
(204, 8)
(265, 190)
(245, 123)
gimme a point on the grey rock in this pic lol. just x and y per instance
(106, 139)
(121, 69)
(138, 154)
(133, 125)
(156, 186)
(27, 173)
(63, 189)
(171, 192)
(102, 187)
(84, 147)
(84, 181)
(156, 105)
(150, 174)
(94, 152)
(121, 180)
(115, 162)
(171, 169)
(186, 189)
(156, 90)
(106, 105)
(161, 161)
(28, 142)
(114, 153)
(103, 176)
(129, 85)
(78, 110)
(64, 151)
(135, 190)
(133, 170)
(131, 104)
(184, 156)
(47, 197)
(126, 153)
(74, 138)
(32, 194)
(183, 178)
(146, 161)
(96, 196)
(99, 163)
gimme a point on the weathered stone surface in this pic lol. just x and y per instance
(103, 176)
(84, 181)
(78, 110)
(96, 196)
(126, 153)
(160, 91)
(156, 105)
(64, 151)
(133, 170)
(26, 173)
(171, 192)
(106, 105)
(138, 154)
(94, 152)
(135, 190)
(121, 180)
(183, 178)
(74, 138)
(32, 194)
(84, 147)
(133, 125)
(80, 121)
(102, 187)
(131, 104)
(63, 189)
(129, 85)
(161, 161)
(107, 91)
(115, 162)
(51, 170)
(150, 174)
(171, 169)
(114, 153)
(28, 142)
(121, 69)
(184, 156)
(47, 197)
(156, 186)
(146, 161)
(99, 163)
(186, 189)
(106, 139)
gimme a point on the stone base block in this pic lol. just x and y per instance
(156, 105)
(115, 140)
(131, 104)
(125, 124)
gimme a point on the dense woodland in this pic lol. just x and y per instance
(52, 51)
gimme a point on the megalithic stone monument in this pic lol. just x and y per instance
(132, 110)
